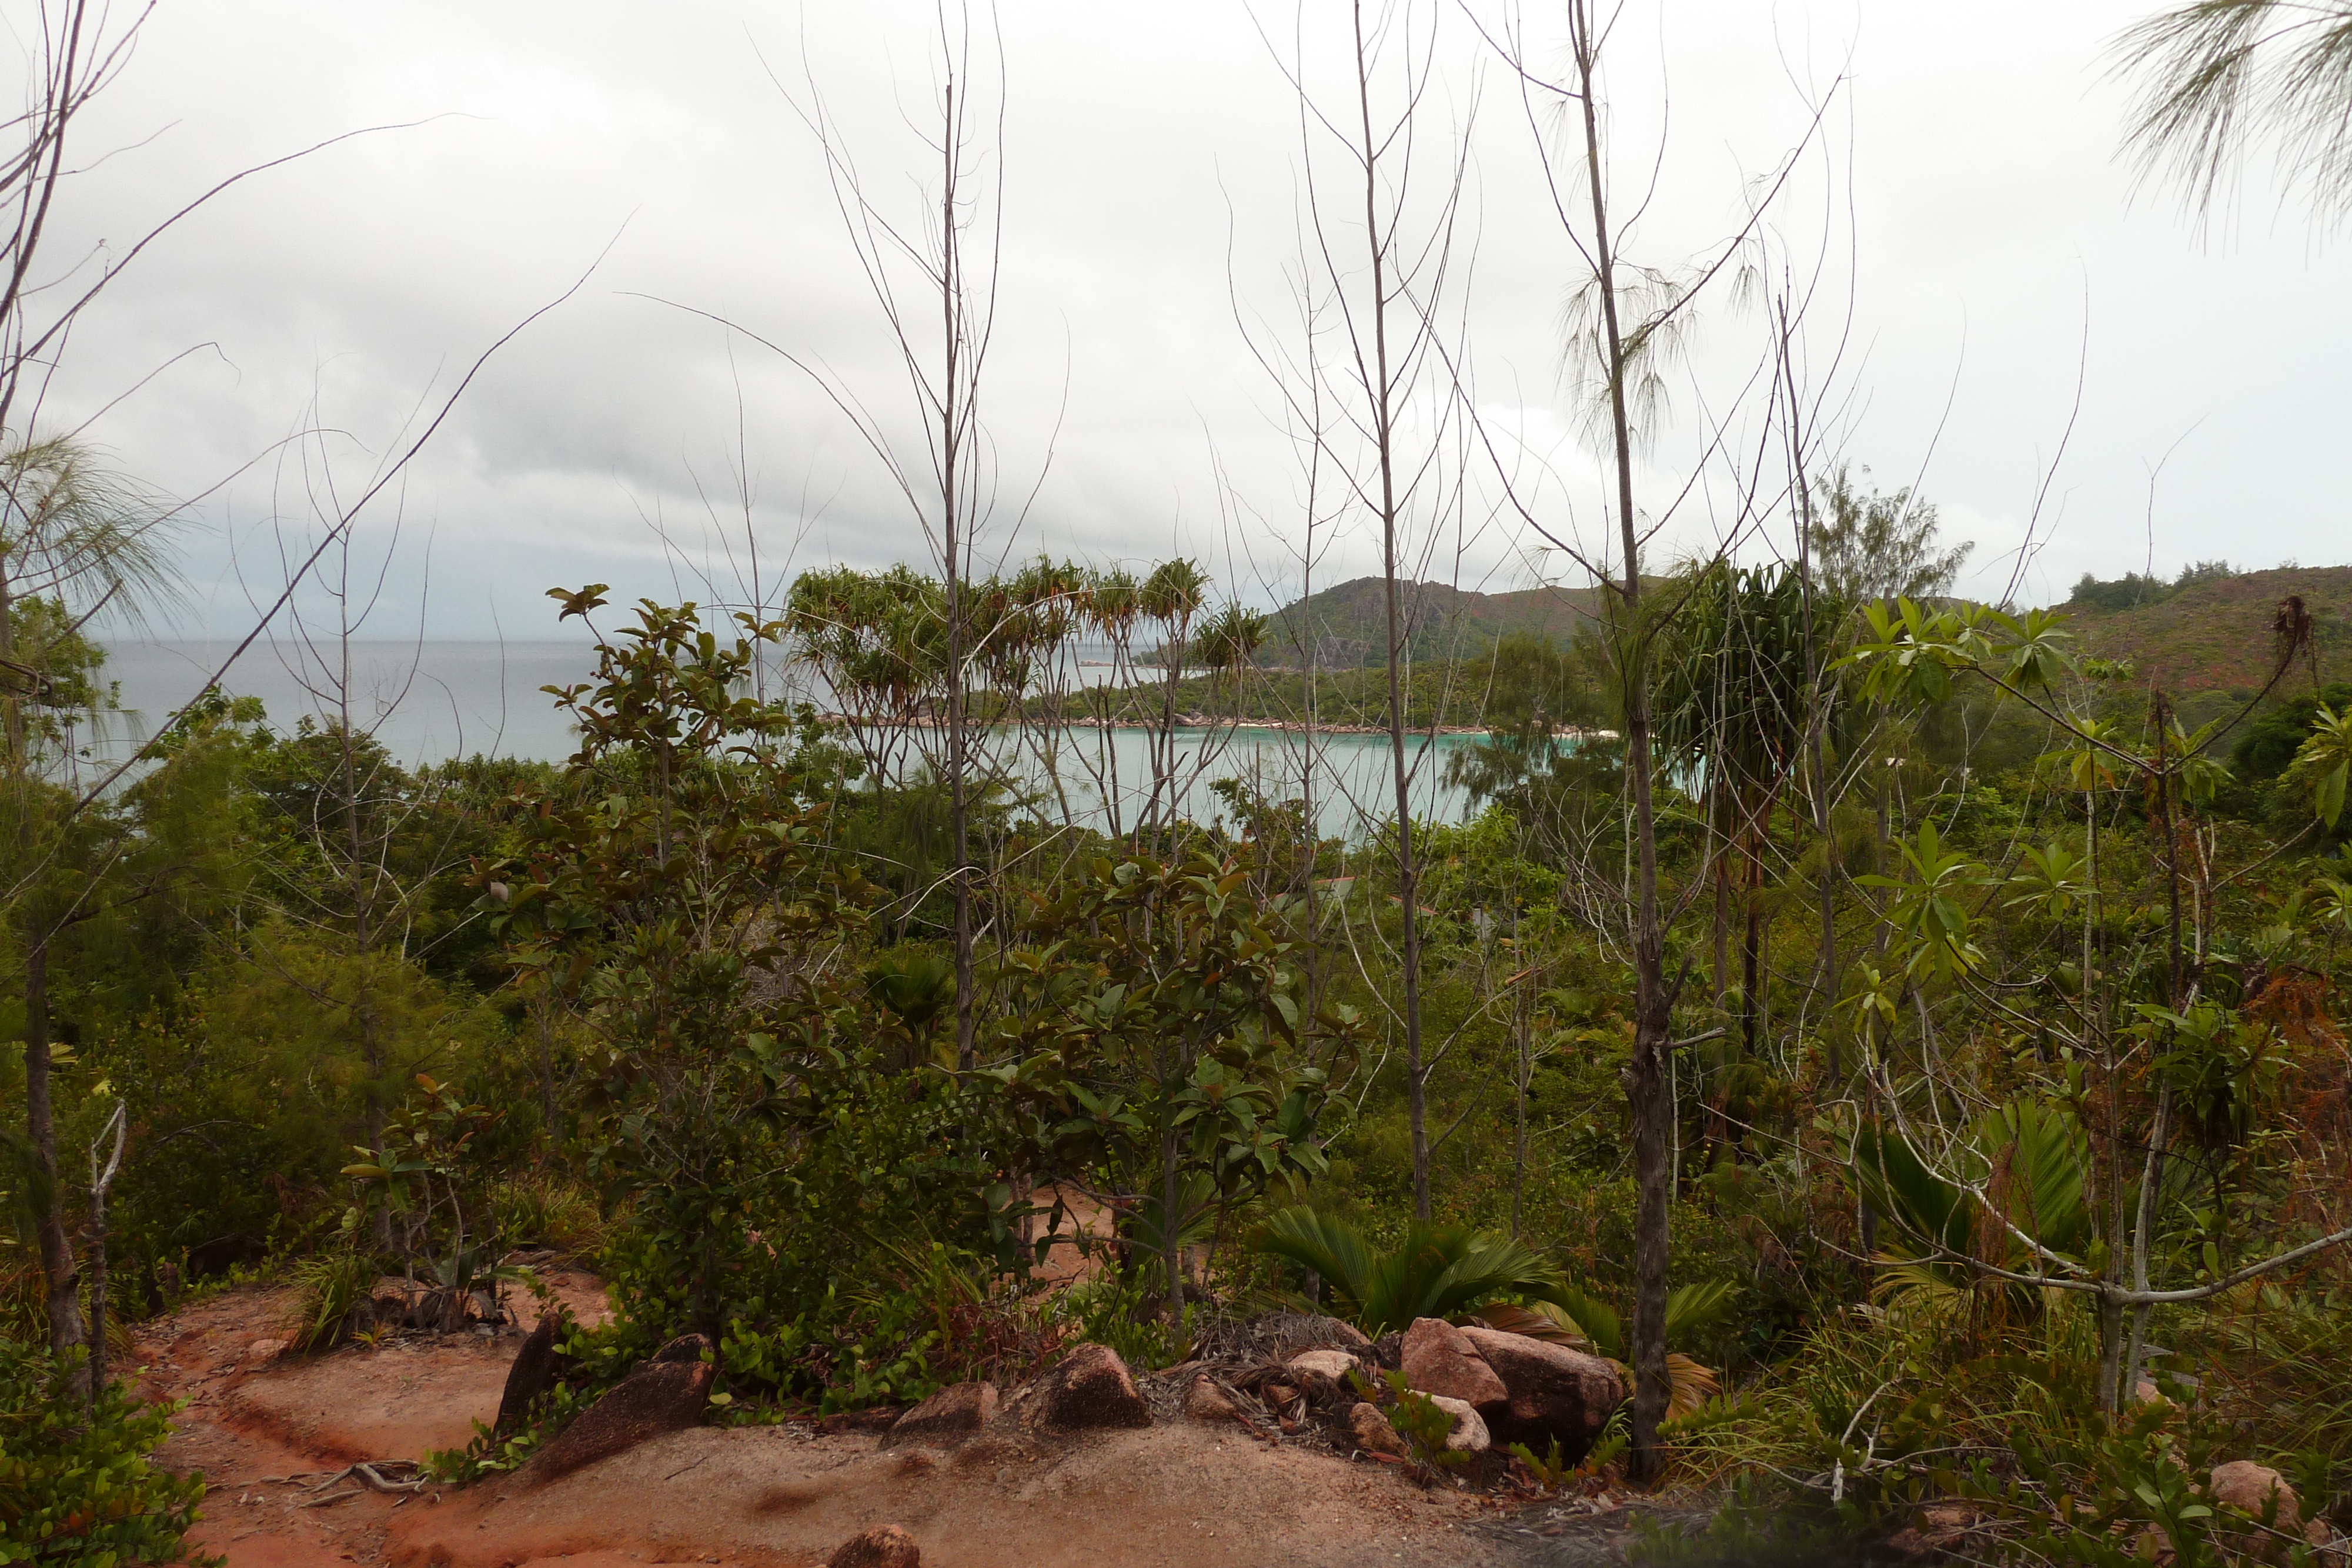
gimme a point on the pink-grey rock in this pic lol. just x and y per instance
(883, 1546)
(1370, 1426)
(1469, 1435)
(956, 1411)
(658, 1398)
(538, 1366)
(1440, 1359)
(2243, 1484)
(1552, 1393)
(1090, 1387)
(1204, 1401)
(1335, 1365)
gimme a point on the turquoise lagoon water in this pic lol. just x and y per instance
(429, 702)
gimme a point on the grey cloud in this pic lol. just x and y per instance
(1151, 174)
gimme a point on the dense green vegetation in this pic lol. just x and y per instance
(668, 1003)
(1904, 1033)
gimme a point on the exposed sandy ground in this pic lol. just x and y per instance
(1178, 1494)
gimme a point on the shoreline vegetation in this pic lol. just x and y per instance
(832, 718)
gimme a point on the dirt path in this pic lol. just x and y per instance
(1181, 1493)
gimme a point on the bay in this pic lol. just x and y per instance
(429, 702)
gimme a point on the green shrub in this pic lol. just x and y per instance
(1120, 1307)
(75, 1485)
(775, 1240)
(327, 1286)
(492, 1451)
(547, 1209)
(1433, 1273)
(1423, 1424)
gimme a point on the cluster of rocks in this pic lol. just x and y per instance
(1089, 1388)
(1498, 1388)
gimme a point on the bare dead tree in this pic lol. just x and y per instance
(1627, 321)
(73, 53)
(1385, 274)
(933, 273)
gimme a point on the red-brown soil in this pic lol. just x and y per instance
(1182, 1493)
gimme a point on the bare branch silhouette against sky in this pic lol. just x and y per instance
(1991, 205)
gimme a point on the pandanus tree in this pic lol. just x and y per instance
(1171, 599)
(1047, 604)
(1228, 645)
(879, 640)
(1735, 704)
(1111, 603)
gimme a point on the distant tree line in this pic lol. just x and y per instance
(2134, 590)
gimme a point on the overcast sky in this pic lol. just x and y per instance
(1978, 248)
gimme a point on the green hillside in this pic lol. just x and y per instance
(2208, 633)
(1349, 621)
(2215, 635)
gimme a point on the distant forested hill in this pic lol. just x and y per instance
(2214, 635)
(2208, 633)
(1349, 623)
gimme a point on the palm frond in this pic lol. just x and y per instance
(1594, 1318)
(1333, 1249)
(1690, 1308)
(1485, 1266)
(1545, 1320)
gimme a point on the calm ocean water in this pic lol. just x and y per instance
(429, 702)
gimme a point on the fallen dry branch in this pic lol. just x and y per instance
(371, 1473)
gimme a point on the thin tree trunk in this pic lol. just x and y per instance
(1751, 954)
(1818, 717)
(1174, 653)
(953, 542)
(58, 1265)
(1523, 1029)
(2151, 1184)
(1722, 931)
(1647, 1088)
(1385, 440)
(1886, 833)
(96, 1329)
(101, 1178)
(547, 1080)
(2175, 960)
(2111, 1349)
(1171, 1251)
